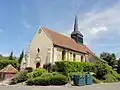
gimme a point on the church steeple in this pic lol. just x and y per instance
(76, 24)
(76, 35)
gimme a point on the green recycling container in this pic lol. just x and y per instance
(88, 79)
(78, 79)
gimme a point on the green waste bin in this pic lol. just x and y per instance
(78, 79)
(88, 79)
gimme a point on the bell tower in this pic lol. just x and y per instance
(76, 34)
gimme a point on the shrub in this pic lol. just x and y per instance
(48, 79)
(110, 78)
(115, 74)
(46, 74)
(101, 69)
(50, 74)
(58, 80)
(95, 80)
(36, 73)
(38, 81)
(19, 77)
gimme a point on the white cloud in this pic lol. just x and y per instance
(26, 24)
(98, 30)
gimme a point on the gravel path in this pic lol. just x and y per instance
(109, 86)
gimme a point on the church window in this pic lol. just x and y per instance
(81, 58)
(38, 50)
(63, 55)
(74, 56)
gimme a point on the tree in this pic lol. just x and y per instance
(118, 68)
(1, 56)
(11, 56)
(109, 57)
(21, 57)
(119, 62)
(100, 69)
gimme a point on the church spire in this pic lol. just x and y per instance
(76, 35)
(76, 24)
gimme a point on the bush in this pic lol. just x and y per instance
(110, 78)
(36, 73)
(48, 79)
(19, 77)
(95, 80)
(101, 69)
(58, 80)
(38, 81)
(115, 74)
(4, 63)
(72, 66)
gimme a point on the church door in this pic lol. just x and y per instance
(37, 65)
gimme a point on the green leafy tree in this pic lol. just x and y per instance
(11, 56)
(100, 69)
(118, 68)
(109, 57)
(21, 57)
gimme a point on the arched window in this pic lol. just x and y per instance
(74, 57)
(63, 54)
(82, 58)
(38, 50)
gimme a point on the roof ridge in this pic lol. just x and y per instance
(56, 32)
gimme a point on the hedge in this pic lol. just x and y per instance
(72, 66)
(36, 73)
(48, 79)
(4, 63)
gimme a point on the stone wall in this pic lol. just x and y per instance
(80, 57)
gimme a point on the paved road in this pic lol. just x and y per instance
(110, 86)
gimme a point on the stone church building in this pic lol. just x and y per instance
(48, 46)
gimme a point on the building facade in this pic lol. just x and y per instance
(48, 46)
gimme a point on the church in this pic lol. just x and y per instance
(48, 46)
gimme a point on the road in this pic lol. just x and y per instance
(110, 86)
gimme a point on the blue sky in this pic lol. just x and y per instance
(99, 21)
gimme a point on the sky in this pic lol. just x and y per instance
(99, 22)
